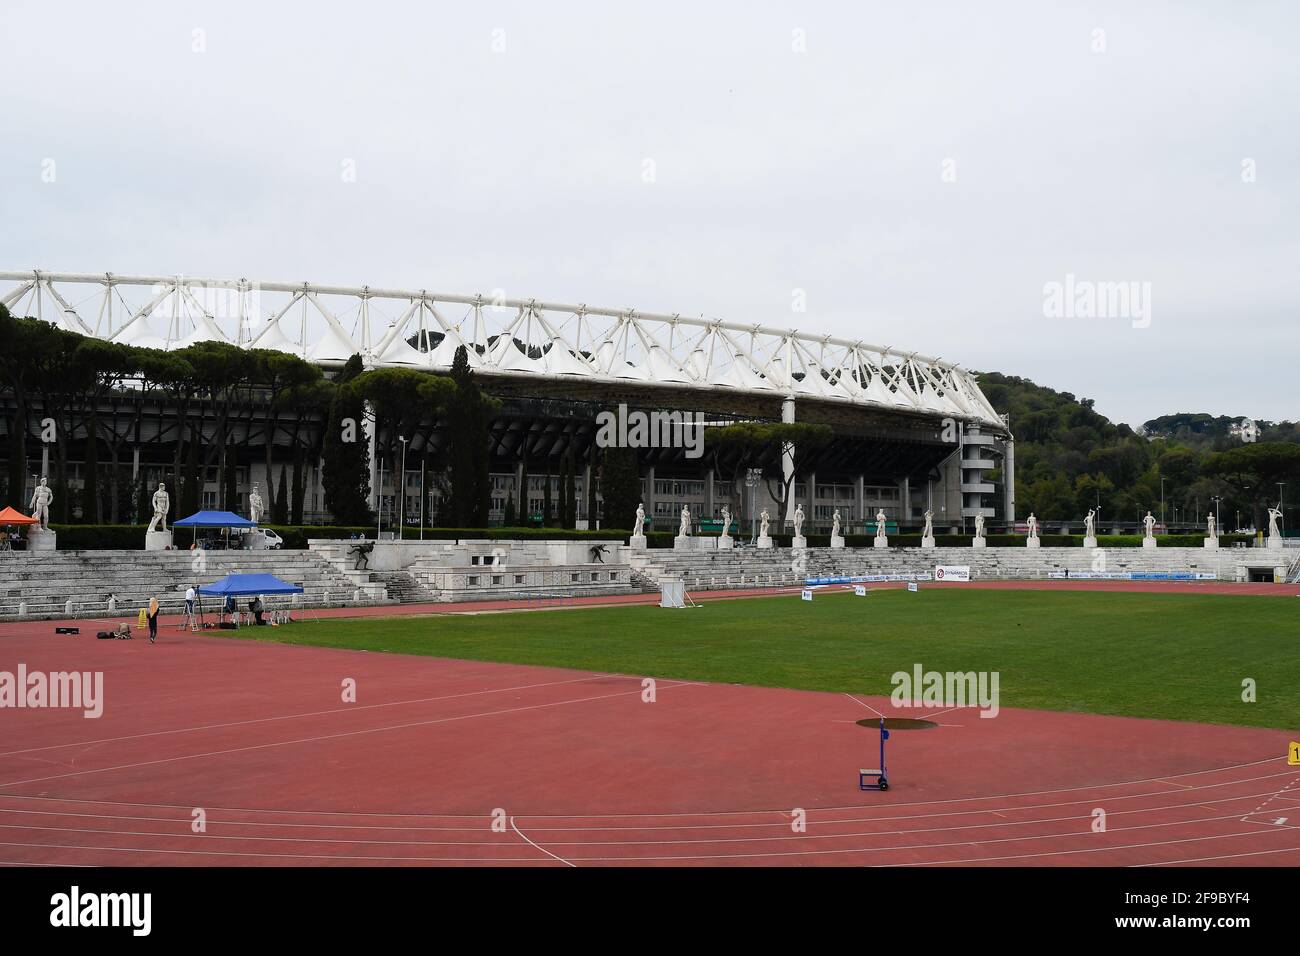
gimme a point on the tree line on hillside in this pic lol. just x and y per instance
(1069, 458)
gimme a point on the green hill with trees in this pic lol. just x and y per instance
(1069, 457)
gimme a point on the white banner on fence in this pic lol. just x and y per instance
(952, 572)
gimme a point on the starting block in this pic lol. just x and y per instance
(67, 630)
(867, 773)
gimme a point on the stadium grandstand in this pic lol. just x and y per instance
(911, 432)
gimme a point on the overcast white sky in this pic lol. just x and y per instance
(774, 170)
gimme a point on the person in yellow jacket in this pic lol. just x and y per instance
(153, 619)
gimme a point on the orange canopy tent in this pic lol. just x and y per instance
(12, 516)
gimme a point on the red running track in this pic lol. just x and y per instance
(584, 772)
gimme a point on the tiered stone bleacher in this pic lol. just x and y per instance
(43, 584)
(486, 570)
(711, 569)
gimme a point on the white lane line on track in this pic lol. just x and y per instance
(1084, 832)
(672, 858)
(286, 856)
(1273, 797)
(1229, 856)
(542, 848)
(336, 736)
(314, 713)
(708, 814)
(783, 823)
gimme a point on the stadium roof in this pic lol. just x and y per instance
(525, 340)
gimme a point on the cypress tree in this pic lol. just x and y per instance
(299, 487)
(620, 486)
(280, 503)
(190, 496)
(230, 482)
(345, 475)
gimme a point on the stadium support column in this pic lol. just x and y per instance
(787, 458)
(1009, 480)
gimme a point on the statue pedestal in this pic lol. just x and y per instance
(1032, 542)
(1273, 541)
(799, 541)
(880, 542)
(726, 542)
(837, 541)
(765, 542)
(979, 543)
(41, 539)
(1090, 541)
(157, 540)
(636, 542)
(682, 542)
(927, 541)
(1148, 542)
(1211, 543)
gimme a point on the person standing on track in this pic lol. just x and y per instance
(189, 603)
(152, 617)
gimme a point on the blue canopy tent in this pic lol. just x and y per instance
(245, 584)
(235, 585)
(213, 519)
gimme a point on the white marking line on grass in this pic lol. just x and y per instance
(514, 827)
(351, 709)
(317, 739)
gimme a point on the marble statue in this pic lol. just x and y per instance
(161, 503)
(42, 498)
(979, 525)
(255, 506)
(1211, 532)
(685, 528)
(763, 519)
(880, 525)
(1032, 523)
(928, 531)
(726, 519)
(1273, 515)
(798, 521)
(1149, 522)
(1090, 524)
(639, 527)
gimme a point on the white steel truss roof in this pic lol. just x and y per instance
(504, 337)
